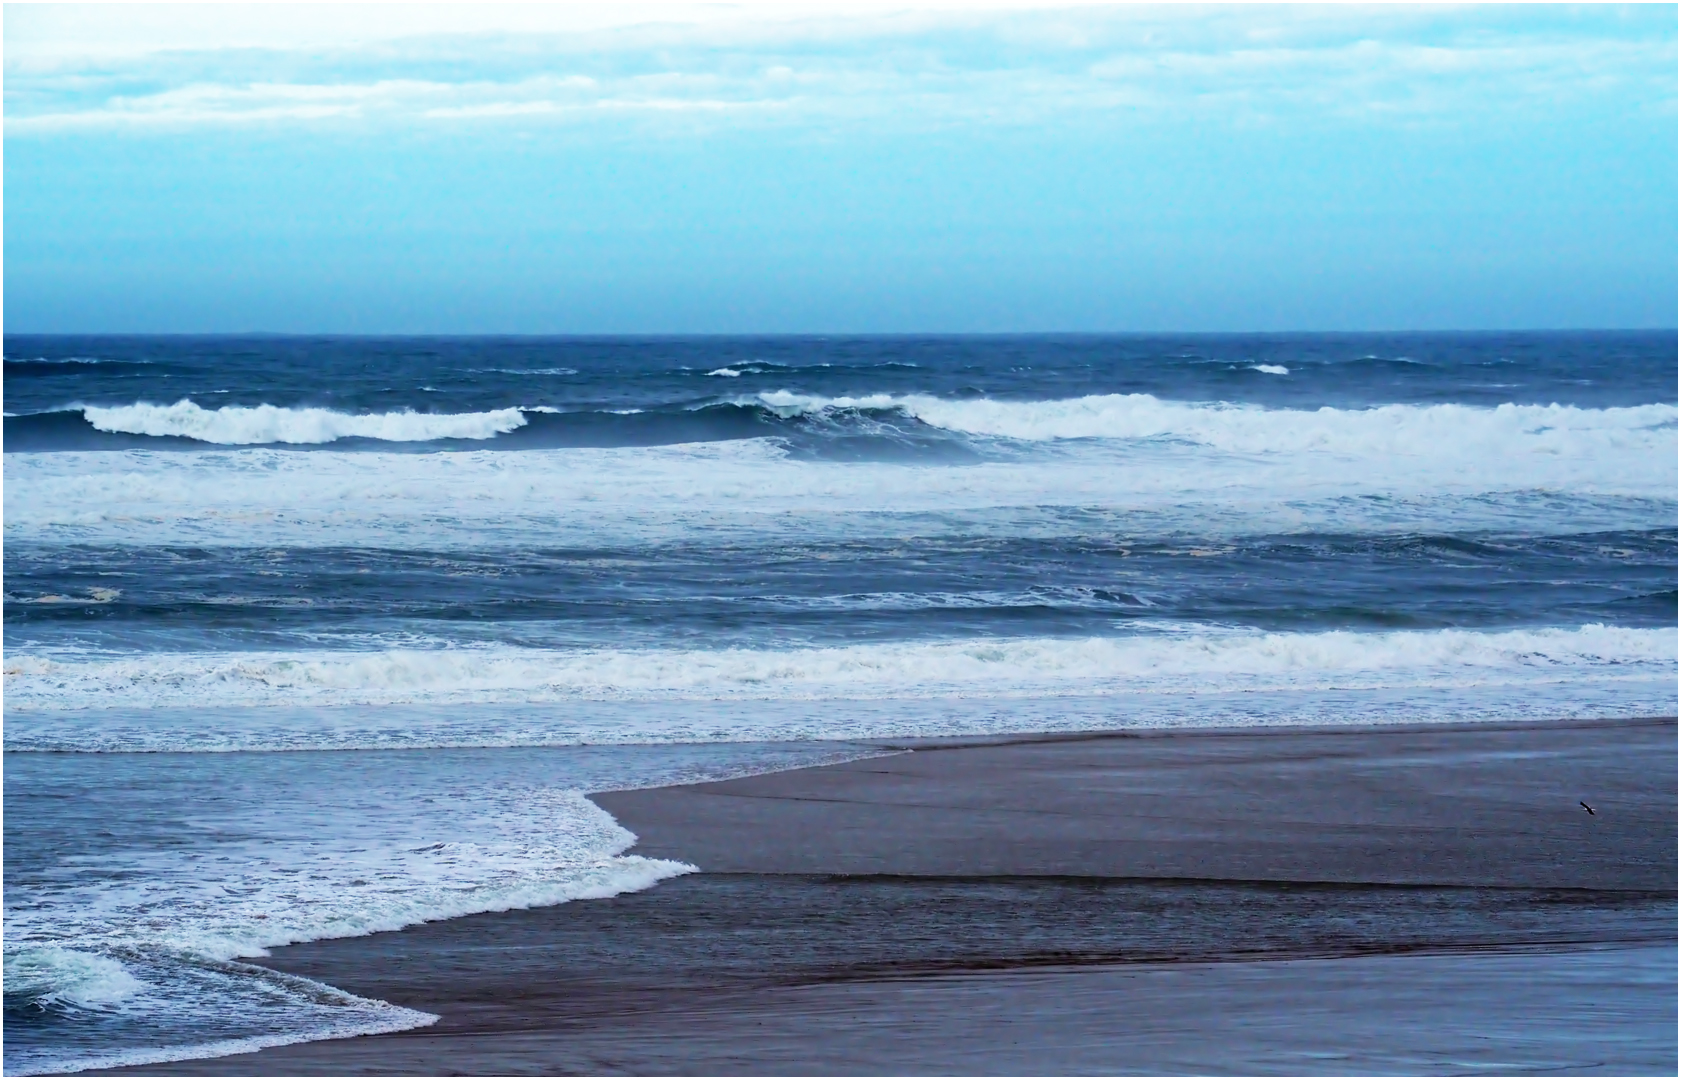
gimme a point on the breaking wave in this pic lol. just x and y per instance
(1419, 431)
(54, 977)
(237, 425)
(1407, 429)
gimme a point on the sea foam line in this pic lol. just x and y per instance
(1208, 662)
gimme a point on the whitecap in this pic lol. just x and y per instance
(236, 425)
(1388, 429)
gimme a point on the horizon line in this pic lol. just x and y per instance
(675, 334)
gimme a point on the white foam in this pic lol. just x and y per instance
(384, 856)
(304, 849)
(169, 1018)
(726, 373)
(1414, 430)
(732, 720)
(243, 426)
(357, 1016)
(1172, 663)
(487, 850)
(1560, 480)
(52, 975)
(1271, 369)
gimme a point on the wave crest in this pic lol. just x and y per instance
(1405, 429)
(237, 425)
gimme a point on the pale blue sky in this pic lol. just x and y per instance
(729, 169)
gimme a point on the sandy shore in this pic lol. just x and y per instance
(1377, 900)
(1488, 805)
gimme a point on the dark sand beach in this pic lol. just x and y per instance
(1388, 900)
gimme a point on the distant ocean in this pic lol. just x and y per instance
(314, 637)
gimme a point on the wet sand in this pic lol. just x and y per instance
(1443, 806)
(1375, 900)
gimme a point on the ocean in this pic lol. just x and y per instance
(317, 637)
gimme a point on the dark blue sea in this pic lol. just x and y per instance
(315, 637)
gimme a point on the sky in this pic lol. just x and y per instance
(672, 168)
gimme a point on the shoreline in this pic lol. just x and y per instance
(1110, 899)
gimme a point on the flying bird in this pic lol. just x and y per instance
(1588, 808)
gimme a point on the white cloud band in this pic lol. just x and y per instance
(998, 66)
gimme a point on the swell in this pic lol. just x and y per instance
(275, 597)
(64, 365)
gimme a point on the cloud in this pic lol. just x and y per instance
(920, 67)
